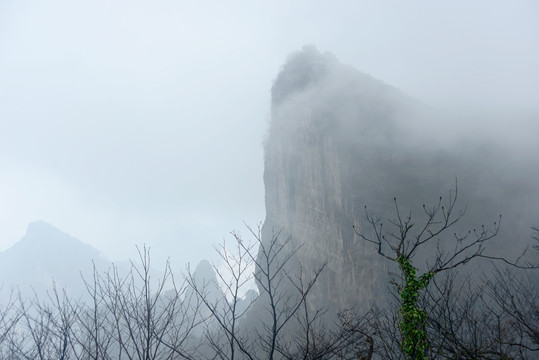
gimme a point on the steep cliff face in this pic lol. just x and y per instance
(335, 144)
(322, 113)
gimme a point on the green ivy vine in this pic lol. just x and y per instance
(413, 319)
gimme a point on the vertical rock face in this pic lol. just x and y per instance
(322, 113)
(335, 144)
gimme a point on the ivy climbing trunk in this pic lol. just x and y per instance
(413, 319)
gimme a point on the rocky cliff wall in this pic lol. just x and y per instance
(336, 143)
(316, 118)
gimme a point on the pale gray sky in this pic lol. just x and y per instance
(126, 122)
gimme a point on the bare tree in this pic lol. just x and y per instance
(284, 290)
(63, 323)
(256, 329)
(148, 322)
(404, 240)
(34, 337)
(94, 333)
(222, 298)
(317, 338)
(9, 318)
(514, 295)
(460, 324)
(126, 316)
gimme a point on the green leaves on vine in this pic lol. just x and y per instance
(413, 319)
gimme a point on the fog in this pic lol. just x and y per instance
(131, 122)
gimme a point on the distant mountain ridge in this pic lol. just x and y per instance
(46, 255)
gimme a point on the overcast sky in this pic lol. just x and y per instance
(126, 122)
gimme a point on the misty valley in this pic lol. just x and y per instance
(387, 236)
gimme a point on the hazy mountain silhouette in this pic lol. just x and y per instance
(46, 255)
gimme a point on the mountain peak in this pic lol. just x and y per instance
(45, 242)
(204, 273)
(41, 227)
(45, 253)
(303, 68)
(41, 234)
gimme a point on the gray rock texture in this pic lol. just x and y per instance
(340, 140)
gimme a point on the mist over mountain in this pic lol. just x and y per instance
(340, 145)
(340, 140)
(45, 256)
